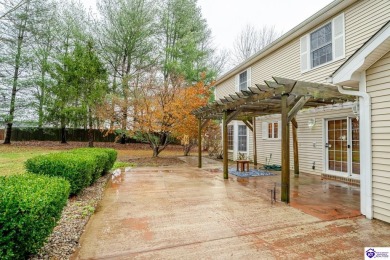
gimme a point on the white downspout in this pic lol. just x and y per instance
(365, 145)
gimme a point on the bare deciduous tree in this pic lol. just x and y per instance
(251, 40)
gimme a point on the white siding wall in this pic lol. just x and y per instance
(362, 20)
(378, 86)
(311, 143)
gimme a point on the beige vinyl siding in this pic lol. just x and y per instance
(228, 87)
(310, 142)
(378, 86)
(362, 20)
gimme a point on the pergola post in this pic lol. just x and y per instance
(225, 145)
(199, 143)
(295, 146)
(254, 142)
(285, 192)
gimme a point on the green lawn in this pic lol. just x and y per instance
(12, 158)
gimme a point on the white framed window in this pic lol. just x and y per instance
(230, 129)
(242, 138)
(323, 45)
(243, 80)
(271, 130)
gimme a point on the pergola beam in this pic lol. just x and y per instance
(295, 146)
(232, 115)
(298, 106)
(285, 148)
(273, 98)
(248, 124)
(254, 142)
(225, 146)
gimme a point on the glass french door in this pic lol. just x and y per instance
(342, 144)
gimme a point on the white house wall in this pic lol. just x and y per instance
(378, 87)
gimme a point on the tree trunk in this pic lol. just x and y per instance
(156, 151)
(90, 130)
(7, 139)
(11, 114)
(63, 135)
(186, 149)
(41, 99)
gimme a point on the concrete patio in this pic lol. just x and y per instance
(182, 212)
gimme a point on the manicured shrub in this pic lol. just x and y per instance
(78, 168)
(112, 155)
(30, 206)
(81, 167)
(99, 157)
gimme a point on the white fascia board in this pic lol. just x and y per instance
(349, 72)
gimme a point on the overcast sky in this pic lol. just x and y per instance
(226, 18)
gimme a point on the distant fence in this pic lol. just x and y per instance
(54, 134)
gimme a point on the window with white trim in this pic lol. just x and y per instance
(323, 45)
(242, 138)
(271, 130)
(243, 80)
(230, 131)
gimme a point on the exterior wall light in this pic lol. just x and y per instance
(355, 109)
(311, 123)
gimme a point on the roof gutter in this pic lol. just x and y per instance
(319, 17)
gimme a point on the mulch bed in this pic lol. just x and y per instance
(250, 173)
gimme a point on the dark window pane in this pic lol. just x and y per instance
(242, 138)
(321, 45)
(276, 129)
(331, 165)
(230, 137)
(269, 130)
(243, 79)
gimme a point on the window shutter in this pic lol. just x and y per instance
(249, 77)
(338, 37)
(279, 129)
(265, 130)
(305, 53)
(237, 83)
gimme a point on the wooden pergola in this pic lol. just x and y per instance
(281, 96)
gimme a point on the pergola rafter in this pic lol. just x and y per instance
(280, 96)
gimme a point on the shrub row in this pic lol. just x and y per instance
(81, 167)
(30, 206)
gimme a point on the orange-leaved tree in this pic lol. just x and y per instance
(161, 112)
(188, 99)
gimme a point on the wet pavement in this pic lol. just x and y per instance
(183, 212)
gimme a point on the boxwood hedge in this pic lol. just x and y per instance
(77, 169)
(81, 167)
(30, 206)
(110, 153)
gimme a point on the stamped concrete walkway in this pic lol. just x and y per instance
(182, 212)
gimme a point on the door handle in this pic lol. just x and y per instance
(328, 145)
